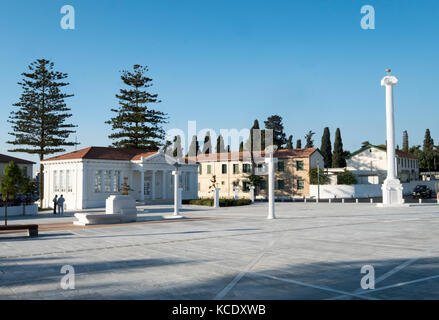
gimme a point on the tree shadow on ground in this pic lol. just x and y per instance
(320, 280)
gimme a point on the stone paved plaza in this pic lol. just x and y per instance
(312, 251)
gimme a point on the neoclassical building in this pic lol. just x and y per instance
(87, 177)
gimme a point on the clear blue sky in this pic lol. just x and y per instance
(225, 63)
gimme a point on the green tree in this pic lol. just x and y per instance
(299, 144)
(428, 154)
(338, 157)
(177, 150)
(326, 148)
(194, 148)
(11, 184)
(241, 146)
(207, 146)
(346, 177)
(316, 172)
(220, 145)
(405, 141)
(289, 145)
(275, 123)
(39, 123)
(309, 139)
(136, 124)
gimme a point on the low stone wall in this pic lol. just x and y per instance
(362, 190)
(30, 210)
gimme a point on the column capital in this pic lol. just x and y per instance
(389, 81)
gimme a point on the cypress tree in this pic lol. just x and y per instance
(194, 147)
(241, 147)
(137, 124)
(220, 144)
(428, 154)
(338, 157)
(207, 146)
(326, 147)
(405, 141)
(299, 144)
(40, 122)
(290, 143)
(177, 150)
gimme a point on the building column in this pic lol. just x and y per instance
(176, 174)
(142, 185)
(153, 184)
(164, 193)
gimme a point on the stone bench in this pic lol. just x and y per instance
(31, 228)
(85, 219)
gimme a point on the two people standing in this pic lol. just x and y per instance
(58, 202)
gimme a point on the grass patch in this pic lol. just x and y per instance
(222, 202)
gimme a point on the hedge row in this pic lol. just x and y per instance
(222, 202)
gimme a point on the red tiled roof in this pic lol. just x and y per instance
(5, 158)
(104, 153)
(399, 153)
(245, 155)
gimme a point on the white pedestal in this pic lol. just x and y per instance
(216, 198)
(117, 203)
(392, 194)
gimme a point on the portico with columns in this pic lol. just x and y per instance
(87, 177)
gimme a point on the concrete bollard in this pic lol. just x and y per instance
(356, 200)
(329, 200)
(304, 199)
(371, 200)
(420, 201)
(342, 200)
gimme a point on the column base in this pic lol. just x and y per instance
(392, 194)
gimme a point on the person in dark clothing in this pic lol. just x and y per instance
(55, 202)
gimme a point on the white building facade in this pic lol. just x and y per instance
(87, 177)
(369, 165)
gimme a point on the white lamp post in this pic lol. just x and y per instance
(392, 187)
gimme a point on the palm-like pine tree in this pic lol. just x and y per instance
(39, 124)
(137, 124)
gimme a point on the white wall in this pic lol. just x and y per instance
(30, 210)
(362, 190)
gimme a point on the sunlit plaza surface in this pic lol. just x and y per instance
(311, 251)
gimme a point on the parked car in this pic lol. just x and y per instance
(422, 192)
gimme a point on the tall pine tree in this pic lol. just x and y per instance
(326, 148)
(405, 141)
(290, 143)
(207, 146)
(299, 144)
(194, 147)
(309, 139)
(338, 157)
(275, 123)
(137, 124)
(39, 123)
(428, 154)
(220, 145)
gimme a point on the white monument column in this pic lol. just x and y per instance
(270, 161)
(153, 185)
(176, 175)
(164, 195)
(142, 185)
(392, 187)
(236, 188)
(252, 194)
(216, 198)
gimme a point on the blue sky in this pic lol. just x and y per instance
(225, 63)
